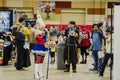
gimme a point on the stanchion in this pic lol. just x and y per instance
(48, 64)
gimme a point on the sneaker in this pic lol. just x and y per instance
(82, 62)
(93, 69)
(85, 61)
(100, 76)
(74, 71)
(66, 70)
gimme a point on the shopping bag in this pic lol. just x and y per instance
(101, 54)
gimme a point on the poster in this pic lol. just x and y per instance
(5, 20)
(47, 10)
(1, 51)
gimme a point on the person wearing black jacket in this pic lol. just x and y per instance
(23, 58)
(70, 54)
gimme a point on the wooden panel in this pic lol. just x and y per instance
(57, 11)
(109, 16)
(78, 18)
(2, 3)
(63, 4)
(88, 5)
(96, 11)
(14, 3)
(34, 4)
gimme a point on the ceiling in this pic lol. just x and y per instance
(79, 0)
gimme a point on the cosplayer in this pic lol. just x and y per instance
(39, 50)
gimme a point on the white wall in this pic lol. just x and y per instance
(116, 74)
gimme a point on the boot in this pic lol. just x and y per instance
(36, 71)
(40, 70)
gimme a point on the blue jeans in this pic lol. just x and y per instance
(97, 60)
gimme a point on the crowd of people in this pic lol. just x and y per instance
(78, 40)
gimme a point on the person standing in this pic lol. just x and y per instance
(21, 36)
(108, 54)
(32, 36)
(97, 45)
(85, 44)
(70, 54)
(39, 50)
(54, 35)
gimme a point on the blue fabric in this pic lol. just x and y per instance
(72, 40)
(39, 47)
(71, 32)
(97, 44)
(96, 59)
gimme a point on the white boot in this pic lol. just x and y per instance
(40, 70)
(36, 71)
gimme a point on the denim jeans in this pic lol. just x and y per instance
(97, 60)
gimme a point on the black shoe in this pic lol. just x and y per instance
(74, 71)
(66, 70)
(82, 62)
(101, 75)
(87, 54)
(85, 61)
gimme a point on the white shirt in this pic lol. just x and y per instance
(108, 44)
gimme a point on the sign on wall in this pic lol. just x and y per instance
(47, 10)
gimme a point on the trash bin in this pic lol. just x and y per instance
(60, 55)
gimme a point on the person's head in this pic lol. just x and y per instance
(72, 24)
(100, 25)
(55, 28)
(33, 25)
(95, 27)
(108, 31)
(83, 28)
(21, 20)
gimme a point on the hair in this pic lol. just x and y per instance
(32, 24)
(100, 24)
(21, 19)
(95, 25)
(72, 22)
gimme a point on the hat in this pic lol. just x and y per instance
(72, 22)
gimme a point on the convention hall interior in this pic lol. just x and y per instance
(63, 59)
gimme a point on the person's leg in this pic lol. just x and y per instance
(52, 57)
(73, 57)
(106, 58)
(36, 72)
(86, 54)
(78, 54)
(67, 68)
(74, 65)
(95, 56)
(40, 67)
(82, 54)
(100, 63)
(111, 62)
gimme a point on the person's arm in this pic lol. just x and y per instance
(102, 44)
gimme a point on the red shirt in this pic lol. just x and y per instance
(85, 38)
(40, 39)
